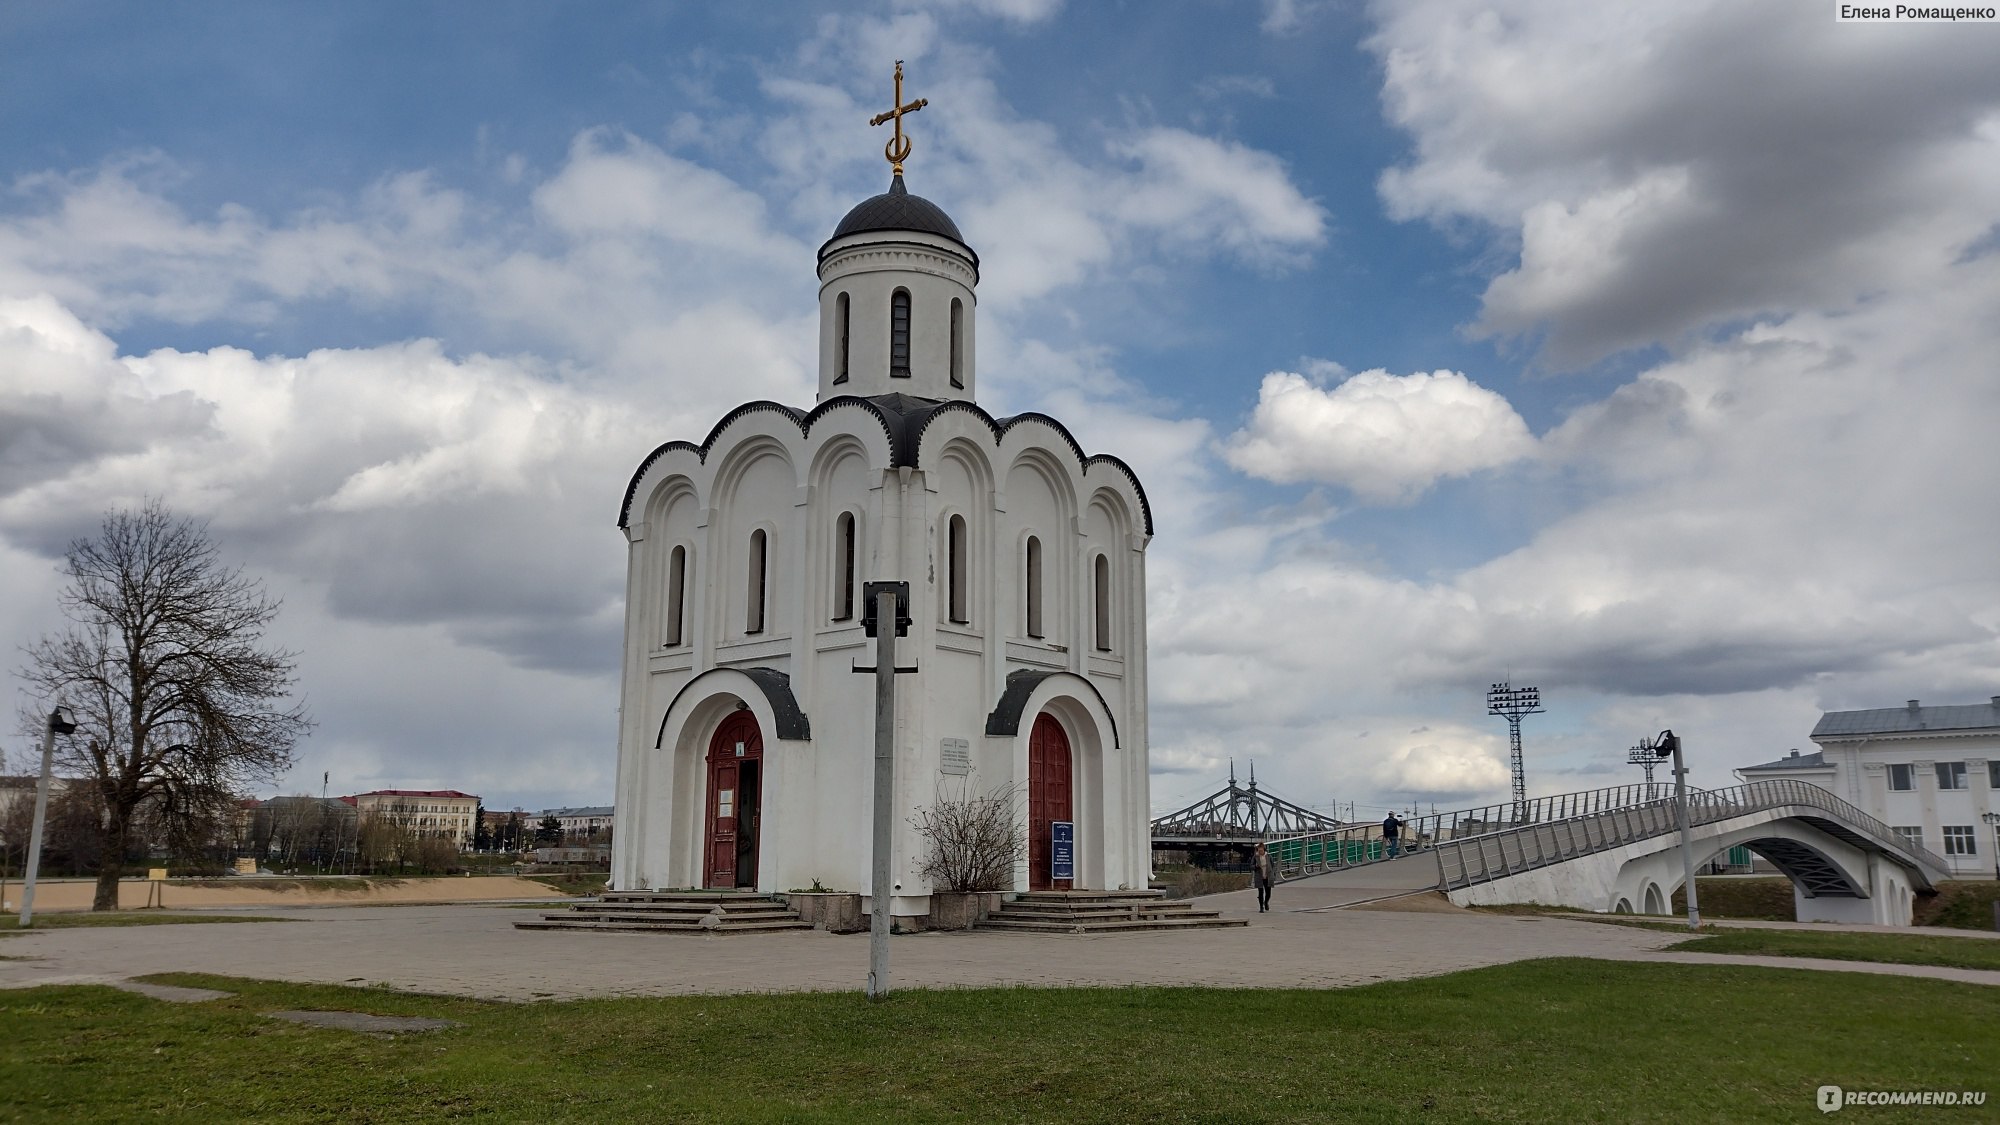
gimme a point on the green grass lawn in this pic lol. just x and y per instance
(71, 920)
(1896, 949)
(1556, 1040)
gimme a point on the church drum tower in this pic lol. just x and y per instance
(746, 742)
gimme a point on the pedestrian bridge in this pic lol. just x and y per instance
(1617, 850)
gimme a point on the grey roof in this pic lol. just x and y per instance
(1908, 720)
(897, 209)
(584, 810)
(1794, 761)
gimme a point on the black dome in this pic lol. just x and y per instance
(897, 209)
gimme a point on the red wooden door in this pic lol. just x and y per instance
(735, 755)
(1048, 798)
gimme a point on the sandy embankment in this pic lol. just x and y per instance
(75, 894)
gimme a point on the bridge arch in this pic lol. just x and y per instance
(1656, 902)
(1834, 879)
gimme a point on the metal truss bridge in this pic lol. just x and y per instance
(1240, 815)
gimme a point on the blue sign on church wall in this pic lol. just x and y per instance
(1062, 850)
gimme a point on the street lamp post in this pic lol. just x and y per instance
(1993, 818)
(1667, 744)
(56, 725)
(886, 616)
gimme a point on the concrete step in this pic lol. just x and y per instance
(692, 919)
(1100, 912)
(1088, 896)
(660, 926)
(728, 912)
(998, 922)
(1079, 914)
(691, 909)
(712, 898)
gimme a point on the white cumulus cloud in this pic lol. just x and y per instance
(1441, 765)
(1385, 437)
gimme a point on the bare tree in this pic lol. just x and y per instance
(974, 841)
(378, 841)
(177, 705)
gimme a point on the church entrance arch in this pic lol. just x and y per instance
(735, 800)
(1049, 798)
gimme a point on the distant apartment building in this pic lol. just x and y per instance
(19, 791)
(1932, 774)
(582, 823)
(428, 812)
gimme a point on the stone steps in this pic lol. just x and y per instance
(1132, 925)
(728, 912)
(1101, 912)
(650, 926)
(692, 917)
(724, 899)
(1083, 913)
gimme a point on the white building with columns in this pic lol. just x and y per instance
(1931, 773)
(746, 741)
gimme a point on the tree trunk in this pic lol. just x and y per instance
(110, 866)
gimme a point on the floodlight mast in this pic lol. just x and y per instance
(1511, 703)
(1644, 755)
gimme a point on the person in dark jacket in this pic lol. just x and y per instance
(1392, 831)
(1263, 872)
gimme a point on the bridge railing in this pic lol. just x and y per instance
(1480, 859)
(1355, 844)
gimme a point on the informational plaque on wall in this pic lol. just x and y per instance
(955, 757)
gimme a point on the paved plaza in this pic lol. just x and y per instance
(473, 950)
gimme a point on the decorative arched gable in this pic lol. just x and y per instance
(905, 422)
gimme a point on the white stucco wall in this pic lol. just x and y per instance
(868, 268)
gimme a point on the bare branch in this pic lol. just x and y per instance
(178, 704)
(974, 840)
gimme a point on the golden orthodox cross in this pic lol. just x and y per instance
(898, 148)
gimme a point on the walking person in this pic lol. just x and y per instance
(1263, 872)
(1392, 831)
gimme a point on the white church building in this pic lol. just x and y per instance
(746, 740)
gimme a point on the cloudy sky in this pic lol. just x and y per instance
(1638, 352)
